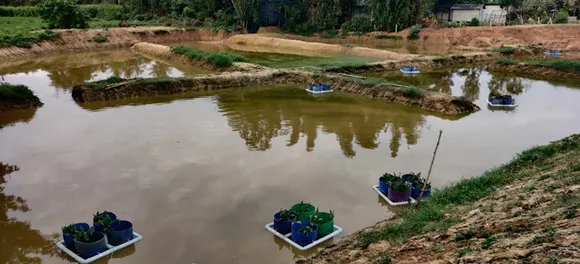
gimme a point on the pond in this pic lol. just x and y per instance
(201, 174)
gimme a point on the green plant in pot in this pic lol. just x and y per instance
(69, 231)
(303, 211)
(89, 243)
(417, 187)
(324, 221)
(384, 181)
(283, 221)
(103, 220)
(399, 191)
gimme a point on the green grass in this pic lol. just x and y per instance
(488, 242)
(341, 65)
(464, 251)
(391, 37)
(560, 64)
(429, 216)
(100, 39)
(219, 59)
(505, 50)
(412, 92)
(19, 94)
(506, 61)
(548, 236)
(105, 82)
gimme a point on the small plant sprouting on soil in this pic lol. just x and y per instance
(437, 248)
(488, 242)
(465, 235)
(571, 211)
(549, 235)
(545, 176)
(464, 251)
(412, 92)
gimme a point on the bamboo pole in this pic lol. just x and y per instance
(430, 167)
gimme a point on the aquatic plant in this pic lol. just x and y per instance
(307, 229)
(69, 230)
(320, 218)
(85, 236)
(398, 185)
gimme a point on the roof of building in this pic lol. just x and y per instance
(468, 7)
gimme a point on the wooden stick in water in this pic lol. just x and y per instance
(430, 167)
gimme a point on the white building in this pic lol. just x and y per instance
(466, 12)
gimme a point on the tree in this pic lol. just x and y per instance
(62, 14)
(391, 14)
(246, 11)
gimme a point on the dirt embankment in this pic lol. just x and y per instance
(421, 63)
(164, 52)
(561, 36)
(433, 101)
(289, 46)
(533, 70)
(76, 39)
(534, 219)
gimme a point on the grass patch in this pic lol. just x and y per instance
(464, 251)
(104, 83)
(430, 216)
(465, 235)
(219, 59)
(506, 61)
(548, 236)
(488, 242)
(349, 45)
(331, 33)
(560, 64)
(391, 37)
(341, 66)
(17, 94)
(99, 39)
(505, 50)
(412, 92)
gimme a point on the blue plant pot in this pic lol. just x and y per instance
(121, 232)
(99, 228)
(69, 240)
(383, 187)
(87, 250)
(283, 227)
(508, 101)
(303, 239)
(495, 101)
(416, 191)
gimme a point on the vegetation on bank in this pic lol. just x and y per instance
(218, 59)
(430, 216)
(505, 50)
(554, 63)
(17, 97)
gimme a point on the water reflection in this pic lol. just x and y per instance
(10, 118)
(67, 70)
(19, 243)
(471, 85)
(259, 115)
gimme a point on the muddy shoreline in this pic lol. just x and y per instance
(533, 70)
(433, 101)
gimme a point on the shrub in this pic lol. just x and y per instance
(331, 33)
(505, 50)
(99, 39)
(414, 32)
(103, 11)
(561, 17)
(188, 12)
(474, 22)
(361, 24)
(62, 14)
(451, 24)
(389, 37)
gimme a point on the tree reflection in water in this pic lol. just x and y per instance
(507, 85)
(471, 86)
(260, 115)
(19, 243)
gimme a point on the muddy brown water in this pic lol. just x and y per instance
(201, 174)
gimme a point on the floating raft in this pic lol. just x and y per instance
(288, 237)
(391, 203)
(513, 105)
(552, 52)
(410, 70)
(319, 88)
(62, 246)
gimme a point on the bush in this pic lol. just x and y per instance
(414, 32)
(331, 33)
(389, 37)
(99, 39)
(451, 24)
(103, 11)
(360, 24)
(561, 17)
(62, 14)
(474, 22)
(505, 50)
(18, 11)
(188, 12)
(17, 93)
(219, 59)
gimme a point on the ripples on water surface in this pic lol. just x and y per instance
(200, 174)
